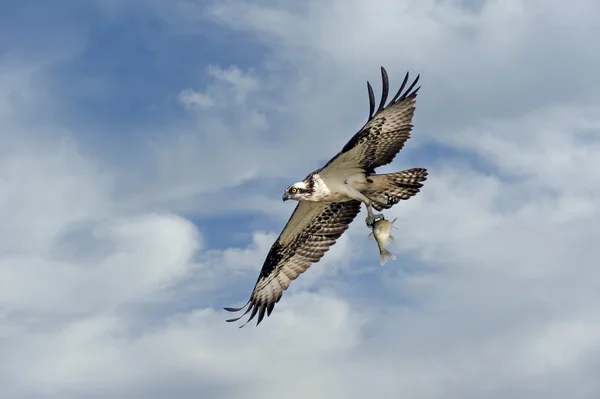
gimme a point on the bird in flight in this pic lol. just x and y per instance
(329, 198)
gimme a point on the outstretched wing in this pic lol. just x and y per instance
(312, 229)
(383, 136)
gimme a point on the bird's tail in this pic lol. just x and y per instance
(388, 189)
(385, 255)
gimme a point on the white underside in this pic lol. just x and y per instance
(338, 188)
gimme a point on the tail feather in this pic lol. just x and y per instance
(386, 255)
(387, 190)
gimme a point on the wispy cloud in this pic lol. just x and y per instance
(111, 200)
(191, 99)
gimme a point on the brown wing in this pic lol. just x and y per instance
(312, 229)
(383, 136)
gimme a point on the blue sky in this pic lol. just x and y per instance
(145, 149)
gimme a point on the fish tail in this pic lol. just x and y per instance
(385, 255)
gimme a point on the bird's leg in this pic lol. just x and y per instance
(372, 217)
(357, 195)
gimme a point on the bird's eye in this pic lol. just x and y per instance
(293, 190)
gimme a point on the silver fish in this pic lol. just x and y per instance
(381, 234)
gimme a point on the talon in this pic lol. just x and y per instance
(371, 219)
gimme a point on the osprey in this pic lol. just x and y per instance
(330, 197)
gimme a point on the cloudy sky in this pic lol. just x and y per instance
(145, 147)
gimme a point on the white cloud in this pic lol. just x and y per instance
(190, 99)
(241, 82)
(105, 291)
(237, 85)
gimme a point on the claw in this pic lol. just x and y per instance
(371, 219)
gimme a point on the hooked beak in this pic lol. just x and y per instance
(285, 197)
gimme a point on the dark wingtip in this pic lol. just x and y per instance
(237, 309)
(385, 87)
(409, 91)
(400, 95)
(371, 100)
(270, 308)
(237, 318)
(261, 314)
(254, 311)
(262, 311)
(399, 92)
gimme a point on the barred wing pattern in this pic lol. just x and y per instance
(378, 142)
(312, 229)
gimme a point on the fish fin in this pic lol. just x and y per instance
(392, 238)
(371, 236)
(386, 255)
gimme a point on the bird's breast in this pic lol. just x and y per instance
(328, 190)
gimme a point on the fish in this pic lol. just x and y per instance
(381, 234)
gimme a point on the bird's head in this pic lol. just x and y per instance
(296, 191)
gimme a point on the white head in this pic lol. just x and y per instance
(297, 191)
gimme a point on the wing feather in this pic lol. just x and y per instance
(378, 142)
(311, 230)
